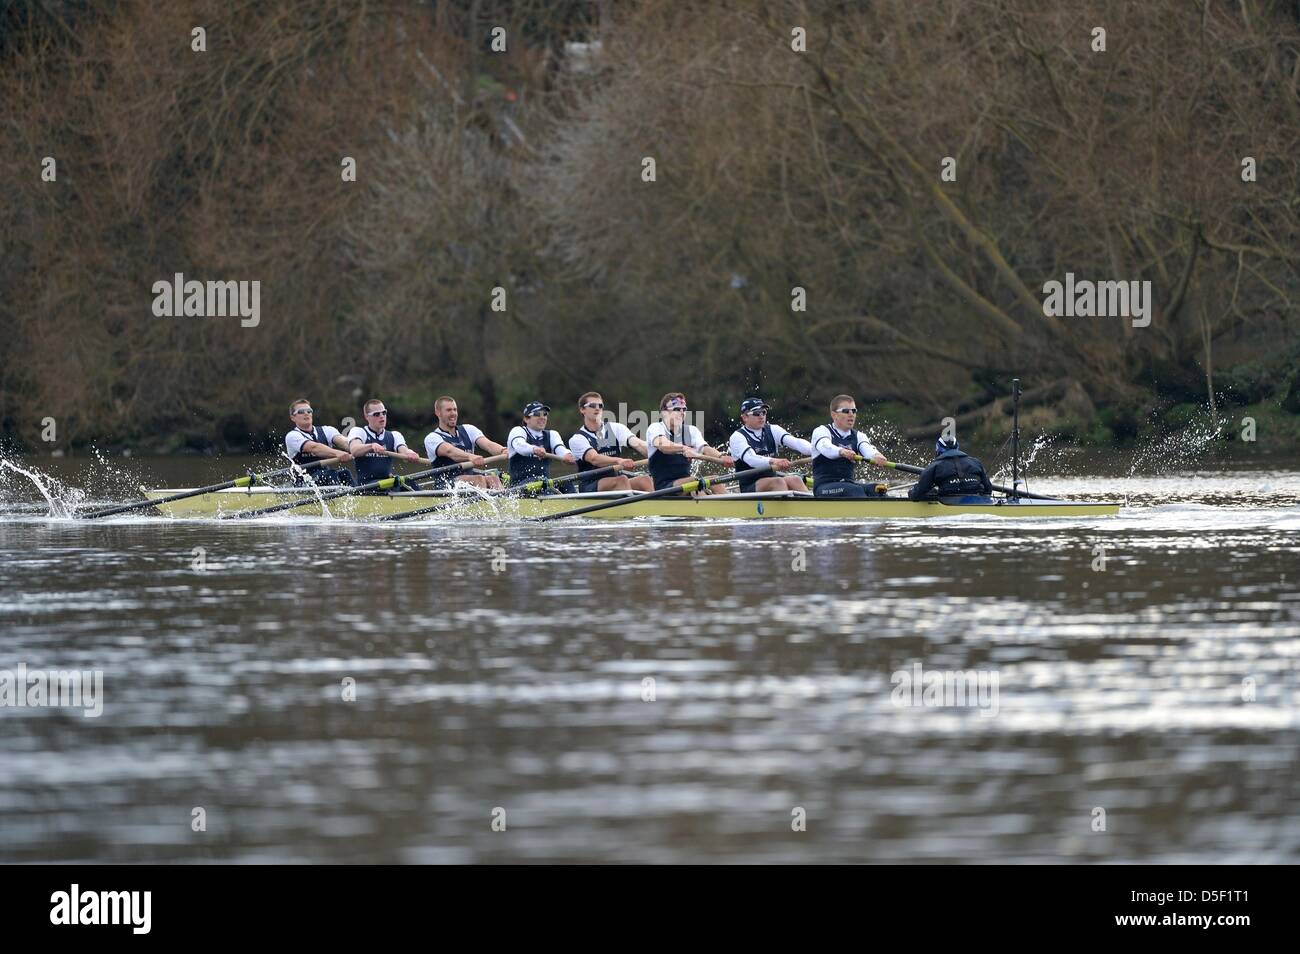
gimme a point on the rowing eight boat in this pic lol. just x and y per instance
(479, 506)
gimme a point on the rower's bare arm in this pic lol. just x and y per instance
(666, 446)
(451, 452)
(454, 453)
(492, 447)
(317, 449)
(605, 460)
(712, 453)
(638, 445)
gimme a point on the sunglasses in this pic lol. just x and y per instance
(377, 413)
(758, 413)
(303, 410)
(846, 410)
(594, 406)
(675, 407)
(540, 414)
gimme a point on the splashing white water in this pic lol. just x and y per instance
(462, 494)
(110, 480)
(60, 499)
(300, 472)
(1177, 451)
(885, 436)
(1040, 443)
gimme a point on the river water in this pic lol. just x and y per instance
(659, 691)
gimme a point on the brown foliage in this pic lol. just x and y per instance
(775, 169)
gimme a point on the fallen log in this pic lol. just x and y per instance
(999, 407)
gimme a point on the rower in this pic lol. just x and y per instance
(673, 444)
(307, 443)
(367, 445)
(755, 444)
(597, 443)
(452, 442)
(952, 474)
(838, 446)
(529, 444)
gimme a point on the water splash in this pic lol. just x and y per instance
(1027, 455)
(60, 498)
(884, 435)
(110, 481)
(1179, 450)
(315, 488)
(461, 492)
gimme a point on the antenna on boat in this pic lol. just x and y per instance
(1015, 437)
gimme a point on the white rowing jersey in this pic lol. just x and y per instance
(518, 446)
(294, 440)
(692, 439)
(367, 436)
(825, 446)
(438, 436)
(612, 435)
(741, 448)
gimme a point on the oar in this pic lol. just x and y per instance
(530, 487)
(690, 487)
(247, 481)
(413, 460)
(909, 469)
(387, 483)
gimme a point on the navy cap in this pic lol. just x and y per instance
(945, 444)
(535, 407)
(753, 404)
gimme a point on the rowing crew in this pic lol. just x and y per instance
(669, 447)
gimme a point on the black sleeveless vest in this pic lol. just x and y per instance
(828, 470)
(665, 468)
(374, 466)
(602, 443)
(524, 469)
(764, 445)
(302, 457)
(458, 440)
(321, 475)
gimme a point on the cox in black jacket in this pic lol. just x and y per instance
(952, 474)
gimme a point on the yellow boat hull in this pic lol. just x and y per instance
(469, 506)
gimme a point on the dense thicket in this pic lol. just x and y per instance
(523, 169)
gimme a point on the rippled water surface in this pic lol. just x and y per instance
(1146, 667)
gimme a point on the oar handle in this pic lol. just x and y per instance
(616, 468)
(400, 456)
(905, 468)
